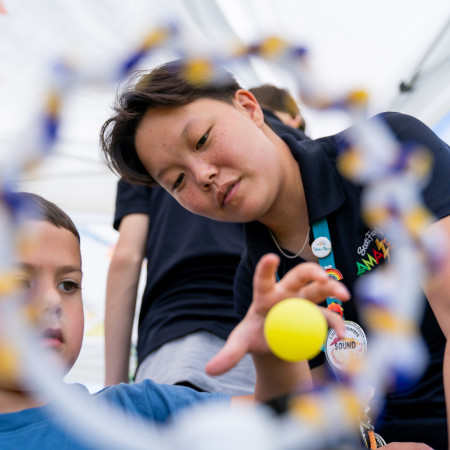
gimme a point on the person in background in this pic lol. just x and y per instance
(280, 108)
(187, 308)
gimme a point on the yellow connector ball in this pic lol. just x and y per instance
(199, 71)
(295, 329)
(9, 364)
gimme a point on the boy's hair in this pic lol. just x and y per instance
(167, 86)
(274, 98)
(34, 207)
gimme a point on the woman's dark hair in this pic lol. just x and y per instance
(34, 207)
(167, 86)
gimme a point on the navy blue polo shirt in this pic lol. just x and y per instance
(191, 263)
(358, 250)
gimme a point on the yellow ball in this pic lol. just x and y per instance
(295, 329)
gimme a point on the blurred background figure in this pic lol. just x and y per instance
(280, 108)
(187, 308)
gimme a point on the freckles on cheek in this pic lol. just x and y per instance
(187, 203)
(191, 202)
(224, 151)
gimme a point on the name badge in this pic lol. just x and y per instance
(343, 354)
(321, 247)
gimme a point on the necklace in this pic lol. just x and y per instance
(282, 252)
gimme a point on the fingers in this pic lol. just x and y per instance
(230, 354)
(306, 280)
(318, 291)
(407, 446)
(334, 321)
(302, 274)
(265, 274)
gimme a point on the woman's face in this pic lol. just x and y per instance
(213, 157)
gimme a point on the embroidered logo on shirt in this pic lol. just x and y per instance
(374, 249)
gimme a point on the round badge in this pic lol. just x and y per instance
(321, 247)
(344, 353)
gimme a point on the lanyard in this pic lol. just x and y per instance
(322, 239)
(322, 244)
(337, 354)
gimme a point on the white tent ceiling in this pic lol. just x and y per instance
(426, 93)
(373, 45)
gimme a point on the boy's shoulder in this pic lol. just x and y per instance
(153, 401)
(30, 428)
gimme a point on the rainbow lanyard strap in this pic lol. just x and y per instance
(326, 260)
(321, 231)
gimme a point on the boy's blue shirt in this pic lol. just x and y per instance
(37, 428)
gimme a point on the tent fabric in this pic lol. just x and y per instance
(351, 45)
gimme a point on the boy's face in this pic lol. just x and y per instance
(50, 269)
(215, 158)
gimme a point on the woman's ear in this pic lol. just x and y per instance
(246, 101)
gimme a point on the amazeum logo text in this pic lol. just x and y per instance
(372, 251)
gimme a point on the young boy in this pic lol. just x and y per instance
(50, 271)
(208, 146)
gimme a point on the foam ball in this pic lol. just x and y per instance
(295, 329)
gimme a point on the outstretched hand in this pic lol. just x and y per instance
(407, 446)
(306, 280)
